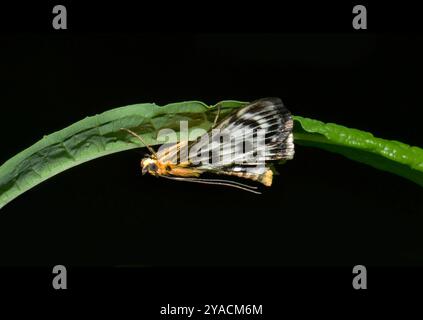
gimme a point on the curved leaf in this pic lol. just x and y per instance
(388, 155)
(100, 135)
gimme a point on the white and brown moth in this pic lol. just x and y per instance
(241, 145)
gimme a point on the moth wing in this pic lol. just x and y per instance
(268, 116)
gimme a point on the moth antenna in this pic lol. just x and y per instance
(142, 140)
(214, 182)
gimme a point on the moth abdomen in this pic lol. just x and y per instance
(265, 178)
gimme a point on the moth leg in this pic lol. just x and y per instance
(217, 116)
(227, 183)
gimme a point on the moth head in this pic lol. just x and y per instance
(149, 165)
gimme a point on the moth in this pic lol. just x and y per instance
(256, 134)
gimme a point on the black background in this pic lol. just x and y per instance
(323, 209)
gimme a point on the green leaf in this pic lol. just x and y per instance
(388, 155)
(100, 135)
